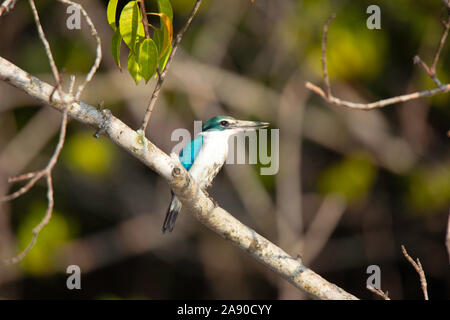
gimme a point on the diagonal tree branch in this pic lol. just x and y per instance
(192, 197)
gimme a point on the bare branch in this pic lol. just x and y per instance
(7, 6)
(98, 57)
(324, 54)
(48, 51)
(446, 25)
(378, 292)
(186, 189)
(418, 266)
(34, 176)
(47, 171)
(162, 75)
(25, 176)
(380, 103)
(431, 72)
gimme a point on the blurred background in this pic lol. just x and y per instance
(352, 186)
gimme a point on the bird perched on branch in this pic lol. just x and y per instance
(205, 155)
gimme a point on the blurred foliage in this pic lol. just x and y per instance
(429, 189)
(57, 232)
(86, 155)
(352, 177)
(352, 52)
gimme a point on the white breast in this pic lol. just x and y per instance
(210, 158)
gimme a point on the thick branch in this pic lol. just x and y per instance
(193, 198)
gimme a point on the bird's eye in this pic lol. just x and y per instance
(224, 123)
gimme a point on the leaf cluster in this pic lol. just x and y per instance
(146, 53)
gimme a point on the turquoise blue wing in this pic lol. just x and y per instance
(188, 154)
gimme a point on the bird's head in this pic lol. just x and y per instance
(232, 125)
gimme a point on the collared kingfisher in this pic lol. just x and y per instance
(205, 155)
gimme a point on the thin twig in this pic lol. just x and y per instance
(25, 176)
(35, 177)
(98, 57)
(431, 72)
(418, 266)
(380, 103)
(162, 75)
(378, 292)
(47, 171)
(48, 51)
(446, 25)
(324, 54)
(7, 6)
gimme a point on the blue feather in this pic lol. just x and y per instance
(188, 154)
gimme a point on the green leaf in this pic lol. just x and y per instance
(130, 24)
(115, 47)
(166, 8)
(164, 35)
(158, 37)
(148, 58)
(133, 68)
(111, 13)
(163, 60)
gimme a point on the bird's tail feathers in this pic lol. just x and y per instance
(171, 215)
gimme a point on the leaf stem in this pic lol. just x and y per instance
(144, 19)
